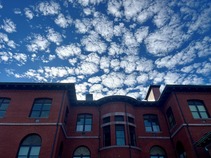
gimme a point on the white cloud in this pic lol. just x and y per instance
(5, 56)
(113, 80)
(63, 21)
(87, 68)
(115, 64)
(9, 26)
(65, 52)
(141, 33)
(89, 2)
(5, 41)
(130, 80)
(1, 6)
(39, 43)
(83, 26)
(205, 69)
(48, 8)
(104, 64)
(54, 36)
(93, 43)
(165, 40)
(69, 80)
(144, 65)
(102, 22)
(115, 49)
(142, 78)
(114, 8)
(96, 79)
(21, 58)
(29, 14)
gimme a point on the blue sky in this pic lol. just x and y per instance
(114, 47)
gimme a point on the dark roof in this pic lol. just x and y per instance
(149, 89)
(70, 87)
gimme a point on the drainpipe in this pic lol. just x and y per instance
(57, 125)
(169, 131)
(128, 130)
(99, 134)
(196, 153)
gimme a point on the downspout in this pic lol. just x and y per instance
(128, 130)
(99, 135)
(57, 124)
(186, 124)
(169, 131)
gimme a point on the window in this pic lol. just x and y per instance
(66, 116)
(41, 108)
(30, 147)
(106, 119)
(106, 136)
(132, 136)
(151, 123)
(84, 123)
(120, 135)
(4, 103)
(81, 152)
(170, 117)
(131, 120)
(119, 118)
(157, 152)
(197, 109)
(180, 150)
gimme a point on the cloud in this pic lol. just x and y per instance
(93, 43)
(28, 13)
(96, 79)
(38, 43)
(5, 41)
(83, 26)
(65, 52)
(5, 56)
(21, 58)
(89, 2)
(114, 8)
(63, 21)
(102, 22)
(48, 8)
(54, 36)
(87, 68)
(113, 80)
(9, 26)
(141, 33)
(205, 69)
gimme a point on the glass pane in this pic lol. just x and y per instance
(35, 114)
(37, 107)
(88, 121)
(46, 107)
(2, 113)
(195, 115)
(79, 128)
(192, 108)
(88, 128)
(23, 150)
(35, 150)
(4, 106)
(80, 120)
(44, 114)
(120, 141)
(201, 108)
(130, 119)
(106, 119)
(156, 128)
(204, 115)
(119, 118)
(148, 129)
(147, 123)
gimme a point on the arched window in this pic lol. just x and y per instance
(157, 152)
(81, 152)
(30, 147)
(180, 150)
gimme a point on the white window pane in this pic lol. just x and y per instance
(79, 128)
(23, 151)
(192, 108)
(88, 127)
(148, 129)
(201, 108)
(204, 115)
(195, 115)
(35, 151)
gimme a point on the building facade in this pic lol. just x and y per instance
(46, 120)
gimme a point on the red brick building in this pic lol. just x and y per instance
(46, 120)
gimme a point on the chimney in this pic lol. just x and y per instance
(89, 97)
(153, 93)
